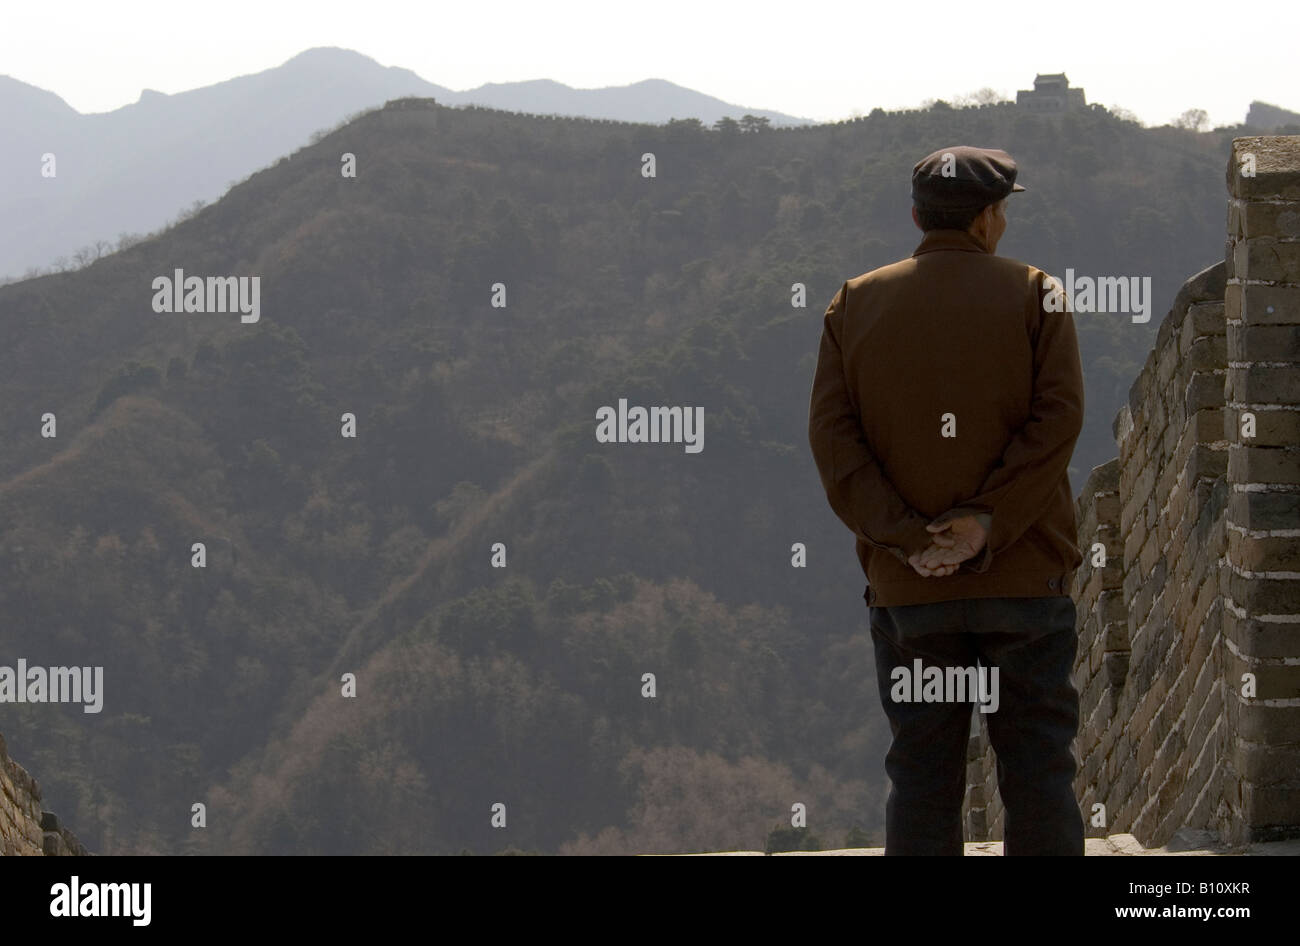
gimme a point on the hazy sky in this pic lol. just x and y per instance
(816, 59)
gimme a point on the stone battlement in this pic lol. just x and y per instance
(25, 828)
(1189, 596)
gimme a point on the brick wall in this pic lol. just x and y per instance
(1199, 520)
(24, 827)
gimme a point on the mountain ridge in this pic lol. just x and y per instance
(220, 133)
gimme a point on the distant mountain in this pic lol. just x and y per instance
(1270, 118)
(650, 100)
(134, 168)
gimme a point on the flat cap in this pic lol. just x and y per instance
(963, 178)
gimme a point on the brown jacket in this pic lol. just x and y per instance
(951, 330)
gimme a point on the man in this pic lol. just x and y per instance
(946, 404)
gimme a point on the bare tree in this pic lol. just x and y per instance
(1194, 119)
(984, 96)
(1123, 114)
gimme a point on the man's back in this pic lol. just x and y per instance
(969, 396)
(945, 407)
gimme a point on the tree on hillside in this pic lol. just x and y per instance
(786, 838)
(1194, 119)
(984, 96)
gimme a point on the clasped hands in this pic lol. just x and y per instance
(951, 543)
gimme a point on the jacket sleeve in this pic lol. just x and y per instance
(1020, 487)
(857, 488)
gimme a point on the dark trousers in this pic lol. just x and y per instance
(1032, 642)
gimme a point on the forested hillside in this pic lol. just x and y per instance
(329, 555)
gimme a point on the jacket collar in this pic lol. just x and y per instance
(949, 240)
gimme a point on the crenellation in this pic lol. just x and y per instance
(1204, 389)
(1207, 353)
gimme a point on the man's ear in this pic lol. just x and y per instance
(916, 218)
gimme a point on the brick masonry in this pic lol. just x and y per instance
(1199, 520)
(25, 828)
